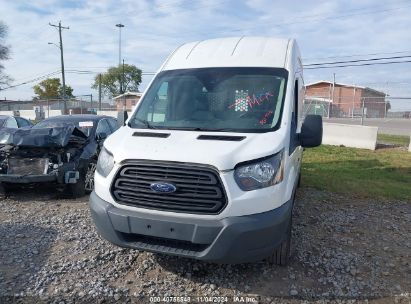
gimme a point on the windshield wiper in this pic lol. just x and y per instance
(201, 129)
(212, 130)
(144, 122)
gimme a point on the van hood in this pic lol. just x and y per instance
(184, 146)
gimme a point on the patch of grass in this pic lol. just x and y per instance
(393, 139)
(384, 173)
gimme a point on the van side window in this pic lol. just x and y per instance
(294, 120)
(157, 111)
(296, 98)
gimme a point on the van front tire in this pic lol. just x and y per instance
(281, 255)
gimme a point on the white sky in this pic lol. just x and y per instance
(154, 28)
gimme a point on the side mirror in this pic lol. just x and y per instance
(122, 118)
(311, 131)
(101, 136)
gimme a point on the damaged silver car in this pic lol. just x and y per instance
(62, 150)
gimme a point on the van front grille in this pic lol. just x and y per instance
(198, 189)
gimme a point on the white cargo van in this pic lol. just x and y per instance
(208, 164)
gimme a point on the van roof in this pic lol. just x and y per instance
(230, 52)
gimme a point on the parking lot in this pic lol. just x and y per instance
(344, 248)
(393, 126)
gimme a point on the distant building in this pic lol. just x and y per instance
(129, 99)
(344, 100)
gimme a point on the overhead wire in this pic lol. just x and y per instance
(305, 19)
(45, 76)
(30, 81)
(356, 65)
(357, 55)
(358, 60)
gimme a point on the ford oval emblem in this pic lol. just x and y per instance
(163, 187)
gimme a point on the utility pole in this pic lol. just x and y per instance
(91, 101)
(119, 25)
(99, 92)
(124, 97)
(329, 106)
(353, 102)
(122, 79)
(385, 102)
(362, 111)
(62, 63)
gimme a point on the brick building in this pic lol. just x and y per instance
(130, 99)
(343, 100)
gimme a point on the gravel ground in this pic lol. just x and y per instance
(345, 249)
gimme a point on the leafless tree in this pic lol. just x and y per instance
(4, 55)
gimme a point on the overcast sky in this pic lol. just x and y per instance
(336, 29)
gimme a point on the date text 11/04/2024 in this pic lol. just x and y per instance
(204, 299)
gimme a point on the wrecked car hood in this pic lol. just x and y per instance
(41, 137)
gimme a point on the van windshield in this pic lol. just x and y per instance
(214, 99)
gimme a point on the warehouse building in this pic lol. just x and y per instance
(343, 100)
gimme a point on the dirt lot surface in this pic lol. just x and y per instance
(345, 250)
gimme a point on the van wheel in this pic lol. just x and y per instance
(281, 255)
(78, 189)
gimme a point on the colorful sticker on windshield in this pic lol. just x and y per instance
(267, 115)
(243, 101)
(85, 124)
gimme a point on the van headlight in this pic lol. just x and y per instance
(260, 173)
(105, 162)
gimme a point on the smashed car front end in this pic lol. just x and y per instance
(43, 155)
(26, 170)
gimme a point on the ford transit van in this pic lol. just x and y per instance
(207, 165)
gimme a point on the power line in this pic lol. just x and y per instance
(356, 65)
(32, 80)
(303, 19)
(357, 55)
(41, 77)
(94, 72)
(358, 60)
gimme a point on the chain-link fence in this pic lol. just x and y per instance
(391, 114)
(39, 109)
(360, 107)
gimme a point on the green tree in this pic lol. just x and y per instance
(110, 80)
(51, 88)
(4, 55)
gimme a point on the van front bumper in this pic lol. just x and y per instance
(230, 240)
